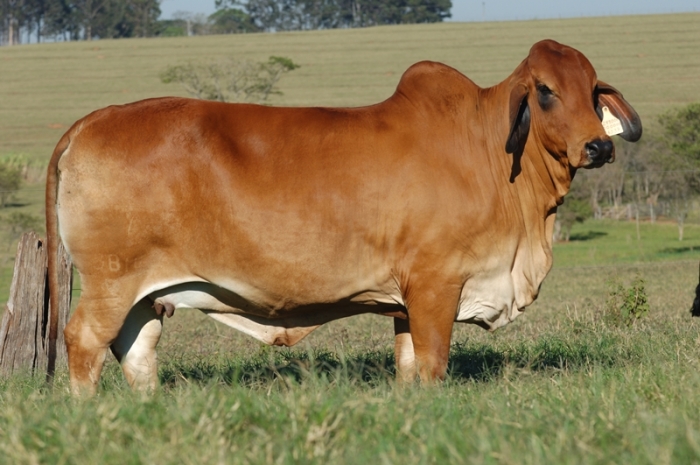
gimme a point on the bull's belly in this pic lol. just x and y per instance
(267, 317)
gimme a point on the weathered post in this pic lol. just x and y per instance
(24, 329)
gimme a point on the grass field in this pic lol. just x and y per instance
(559, 385)
(562, 384)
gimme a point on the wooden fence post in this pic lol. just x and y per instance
(25, 324)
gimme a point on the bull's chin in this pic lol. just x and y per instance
(580, 159)
(589, 165)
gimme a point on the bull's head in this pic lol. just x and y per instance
(555, 94)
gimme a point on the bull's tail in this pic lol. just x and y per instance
(695, 310)
(52, 239)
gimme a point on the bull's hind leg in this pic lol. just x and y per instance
(91, 330)
(135, 346)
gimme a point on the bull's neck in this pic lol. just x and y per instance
(548, 171)
(536, 174)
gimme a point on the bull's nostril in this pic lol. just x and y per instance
(599, 151)
(592, 151)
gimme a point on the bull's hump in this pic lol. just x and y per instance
(432, 79)
(437, 89)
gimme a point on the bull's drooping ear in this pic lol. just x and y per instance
(519, 113)
(607, 96)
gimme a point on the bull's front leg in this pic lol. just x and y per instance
(403, 352)
(432, 307)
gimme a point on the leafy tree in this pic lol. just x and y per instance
(91, 13)
(61, 20)
(19, 223)
(270, 73)
(138, 18)
(19, 16)
(78, 19)
(681, 131)
(648, 167)
(575, 209)
(38, 15)
(680, 137)
(15, 16)
(195, 23)
(285, 15)
(10, 182)
(426, 11)
(172, 28)
(272, 15)
(232, 21)
(108, 23)
(230, 80)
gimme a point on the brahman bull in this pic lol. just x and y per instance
(434, 206)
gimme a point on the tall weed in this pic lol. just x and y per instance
(625, 305)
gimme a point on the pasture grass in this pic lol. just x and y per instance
(559, 385)
(576, 391)
(600, 242)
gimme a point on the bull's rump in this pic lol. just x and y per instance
(289, 207)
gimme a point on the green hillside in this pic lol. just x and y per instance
(653, 60)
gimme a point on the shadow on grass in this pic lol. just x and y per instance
(477, 362)
(15, 204)
(483, 362)
(680, 250)
(291, 365)
(587, 236)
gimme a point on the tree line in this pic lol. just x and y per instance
(295, 15)
(23, 21)
(38, 20)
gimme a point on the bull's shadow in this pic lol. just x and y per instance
(587, 236)
(680, 250)
(475, 362)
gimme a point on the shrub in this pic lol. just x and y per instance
(626, 305)
(10, 181)
(19, 223)
(230, 80)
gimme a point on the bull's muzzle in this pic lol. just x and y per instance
(600, 152)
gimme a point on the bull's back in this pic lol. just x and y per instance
(306, 199)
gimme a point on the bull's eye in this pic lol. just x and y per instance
(544, 96)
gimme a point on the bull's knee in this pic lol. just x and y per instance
(135, 347)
